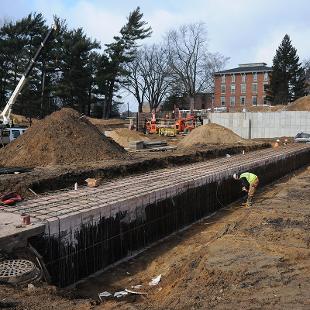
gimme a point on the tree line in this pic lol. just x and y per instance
(71, 71)
(74, 70)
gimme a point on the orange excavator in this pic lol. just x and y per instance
(185, 124)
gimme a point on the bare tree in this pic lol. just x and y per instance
(191, 63)
(134, 82)
(150, 76)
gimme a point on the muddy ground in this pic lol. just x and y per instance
(240, 258)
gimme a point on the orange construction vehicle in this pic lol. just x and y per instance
(185, 124)
(150, 126)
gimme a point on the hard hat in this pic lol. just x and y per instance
(235, 176)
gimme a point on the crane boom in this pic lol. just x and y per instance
(5, 114)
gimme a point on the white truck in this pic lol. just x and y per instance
(9, 134)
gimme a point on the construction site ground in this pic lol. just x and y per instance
(239, 258)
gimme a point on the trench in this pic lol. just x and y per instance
(67, 180)
(96, 245)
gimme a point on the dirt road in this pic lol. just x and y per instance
(240, 258)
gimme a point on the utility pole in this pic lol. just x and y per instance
(127, 109)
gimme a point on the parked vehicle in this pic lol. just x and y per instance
(220, 109)
(302, 137)
(9, 134)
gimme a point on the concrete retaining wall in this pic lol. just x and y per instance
(263, 124)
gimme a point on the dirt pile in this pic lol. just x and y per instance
(123, 136)
(108, 124)
(61, 138)
(272, 108)
(301, 104)
(210, 134)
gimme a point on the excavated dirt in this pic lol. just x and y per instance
(210, 134)
(301, 104)
(44, 179)
(64, 137)
(239, 258)
(108, 124)
(123, 136)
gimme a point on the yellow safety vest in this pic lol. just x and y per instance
(250, 177)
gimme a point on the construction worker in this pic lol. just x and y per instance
(249, 182)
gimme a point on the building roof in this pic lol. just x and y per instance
(244, 68)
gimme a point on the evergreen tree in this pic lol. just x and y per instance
(118, 53)
(288, 77)
(73, 86)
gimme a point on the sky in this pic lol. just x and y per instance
(243, 30)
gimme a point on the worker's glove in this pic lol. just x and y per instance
(244, 189)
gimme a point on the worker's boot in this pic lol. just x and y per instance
(249, 202)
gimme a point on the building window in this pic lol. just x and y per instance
(233, 78)
(254, 100)
(232, 100)
(242, 100)
(254, 88)
(223, 78)
(223, 89)
(222, 101)
(266, 76)
(243, 78)
(243, 88)
(265, 87)
(232, 88)
(265, 101)
(255, 76)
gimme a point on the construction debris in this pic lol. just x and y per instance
(155, 280)
(135, 292)
(91, 182)
(104, 294)
(120, 294)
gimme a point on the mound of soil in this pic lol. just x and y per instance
(123, 136)
(61, 138)
(301, 104)
(107, 122)
(210, 134)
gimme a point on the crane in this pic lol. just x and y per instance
(6, 113)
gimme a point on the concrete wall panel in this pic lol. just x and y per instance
(263, 124)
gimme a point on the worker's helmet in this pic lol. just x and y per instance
(235, 176)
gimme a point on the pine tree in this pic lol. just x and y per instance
(288, 77)
(73, 86)
(121, 51)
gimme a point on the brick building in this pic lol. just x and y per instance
(243, 86)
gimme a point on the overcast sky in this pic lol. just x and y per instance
(244, 30)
